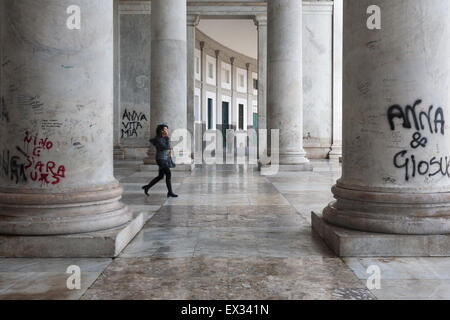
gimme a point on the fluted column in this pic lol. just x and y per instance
(56, 128)
(396, 110)
(284, 78)
(168, 65)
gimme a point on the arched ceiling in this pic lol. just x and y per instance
(238, 35)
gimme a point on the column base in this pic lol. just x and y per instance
(387, 211)
(101, 244)
(293, 158)
(335, 153)
(33, 213)
(351, 243)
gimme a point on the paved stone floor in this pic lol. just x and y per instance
(232, 234)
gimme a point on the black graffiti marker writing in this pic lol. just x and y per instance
(418, 141)
(411, 119)
(131, 123)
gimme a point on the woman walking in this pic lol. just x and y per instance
(163, 159)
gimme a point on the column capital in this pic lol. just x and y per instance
(202, 45)
(232, 60)
(192, 20)
(217, 52)
(247, 65)
(260, 20)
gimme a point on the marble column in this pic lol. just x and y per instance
(261, 23)
(233, 108)
(336, 147)
(396, 110)
(219, 120)
(249, 97)
(56, 129)
(168, 65)
(192, 23)
(284, 78)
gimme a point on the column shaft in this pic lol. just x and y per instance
(284, 78)
(56, 140)
(336, 147)
(192, 23)
(261, 23)
(168, 65)
(396, 106)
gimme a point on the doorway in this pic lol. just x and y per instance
(210, 114)
(241, 117)
(225, 121)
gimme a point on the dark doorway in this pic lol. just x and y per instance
(241, 117)
(210, 114)
(225, 121)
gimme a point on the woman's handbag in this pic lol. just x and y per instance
(171, 162)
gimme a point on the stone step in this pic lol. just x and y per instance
(100, 244)
(352, 243)
(179, 167)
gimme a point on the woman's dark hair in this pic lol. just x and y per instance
(160, 128)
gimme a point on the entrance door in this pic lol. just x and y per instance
(241, 117)
(210, 114)
(225, 121)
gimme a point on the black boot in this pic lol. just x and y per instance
(151, 184)
(146, 188)
(169, 188)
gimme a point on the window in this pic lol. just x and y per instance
(227, 76)
(241, 80)
(210, 71)
(255, 84)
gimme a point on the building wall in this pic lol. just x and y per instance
(216, 68)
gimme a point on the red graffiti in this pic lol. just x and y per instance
(44, 172)
(38, 144)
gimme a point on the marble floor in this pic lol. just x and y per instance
(232, 234)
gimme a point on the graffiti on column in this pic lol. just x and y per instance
(46, 172)
(4, 116)
(131, 123)
(430, 121)
(13, 166)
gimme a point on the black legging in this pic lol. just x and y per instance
(163, 171)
